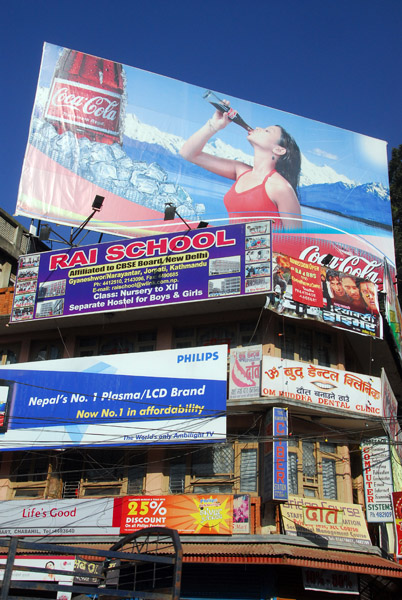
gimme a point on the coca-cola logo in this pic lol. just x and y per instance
(358, 266)
(98, 106)
(87, 106)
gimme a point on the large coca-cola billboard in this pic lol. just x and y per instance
(144, 141)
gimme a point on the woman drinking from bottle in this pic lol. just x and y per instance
(266, 190)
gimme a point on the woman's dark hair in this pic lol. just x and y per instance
(289, 165)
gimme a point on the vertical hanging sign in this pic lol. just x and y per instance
(377, 475)
(276, 456)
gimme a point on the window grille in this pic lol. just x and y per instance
(329, 479)
(218, 459)
(248, 470)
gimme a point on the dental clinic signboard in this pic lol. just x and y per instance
(201, 264)
(171, 396)
(322, 386)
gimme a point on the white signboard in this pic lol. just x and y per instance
(313, 384)
(245, 372)
(377, 474)
(58, 517)
(49, 562)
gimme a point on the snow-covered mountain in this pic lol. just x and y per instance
(136, 130)
(310, 173)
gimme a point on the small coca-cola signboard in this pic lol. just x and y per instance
(84, 106)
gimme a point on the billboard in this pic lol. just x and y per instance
(321, 386)
(303, 290)
(327, 520)
(216, 514)
(59, 517)
(142, 140)
(187, 513)
(201, 264)
(176, 396)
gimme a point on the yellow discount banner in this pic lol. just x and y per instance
(190, 513)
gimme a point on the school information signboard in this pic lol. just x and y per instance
(200, 264)
(175, 396)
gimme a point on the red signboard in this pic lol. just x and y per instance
(306, 282)
(191, 513)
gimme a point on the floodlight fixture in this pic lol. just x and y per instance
(171, 211)
(46, 230)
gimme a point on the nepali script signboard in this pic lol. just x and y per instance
(245, 372)
(171, 396)
(325, 519)
(100, 127)
(321, 386)
(303, 290)
(202, 264)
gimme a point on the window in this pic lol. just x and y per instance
(306, 345)
(106, 472)
(42, 350)
(29, 466)
(248, 470)
(219, 468)
(313, 469)
(141, 341)
(29, 474)
(233, 334)
(9, 355)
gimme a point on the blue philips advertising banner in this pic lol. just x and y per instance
(201, 264)
(175, 396)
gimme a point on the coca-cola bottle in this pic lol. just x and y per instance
(86, 97)
(232, 114)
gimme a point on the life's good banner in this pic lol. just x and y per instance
(117, 131)
(203, 514)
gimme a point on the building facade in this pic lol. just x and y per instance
(300, 491)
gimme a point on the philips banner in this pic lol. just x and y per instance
(198, 265)
(144, 141)
(126, 399)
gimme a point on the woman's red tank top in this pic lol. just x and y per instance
(251, 203)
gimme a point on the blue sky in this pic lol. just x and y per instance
(334, 62)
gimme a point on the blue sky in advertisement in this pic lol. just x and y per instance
(329, 62)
